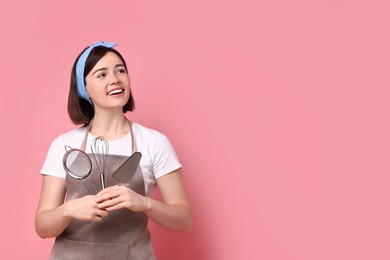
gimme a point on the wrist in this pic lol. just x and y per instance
(64, 211)
(147, 204)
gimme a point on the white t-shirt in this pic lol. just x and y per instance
(158, 155)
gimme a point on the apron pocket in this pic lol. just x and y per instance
(67, 249)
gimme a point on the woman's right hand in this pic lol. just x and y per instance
(84, 208)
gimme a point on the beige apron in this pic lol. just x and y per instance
(123, 234)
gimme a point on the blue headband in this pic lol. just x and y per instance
(81, 90)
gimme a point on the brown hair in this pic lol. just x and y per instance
(80, 110)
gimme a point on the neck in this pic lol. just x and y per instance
(110, 126)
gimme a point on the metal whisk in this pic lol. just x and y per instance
(99, 151)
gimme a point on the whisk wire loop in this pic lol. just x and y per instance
(100, 149)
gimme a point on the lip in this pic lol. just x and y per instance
(115, 89)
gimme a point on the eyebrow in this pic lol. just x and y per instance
(105, 68)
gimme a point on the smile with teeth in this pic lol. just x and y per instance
(115, 91)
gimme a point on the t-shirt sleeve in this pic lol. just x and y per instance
(163, 155)
(53, 162)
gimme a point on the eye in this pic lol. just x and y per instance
(101, 75)
(121, 71)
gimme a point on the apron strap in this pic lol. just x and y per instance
(133, 144)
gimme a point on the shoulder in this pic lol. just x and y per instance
(146, 132)
(79, 131)
(72, 138)
(151, 140)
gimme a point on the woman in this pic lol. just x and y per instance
(95, 223)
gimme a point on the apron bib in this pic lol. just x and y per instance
(123, 234)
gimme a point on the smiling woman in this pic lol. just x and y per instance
(96, 70)
(108, 83)
(112, 222)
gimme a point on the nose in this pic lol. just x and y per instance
(114, 79)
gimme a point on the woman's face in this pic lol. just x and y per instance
(108, 83)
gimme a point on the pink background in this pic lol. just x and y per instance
(278, 110)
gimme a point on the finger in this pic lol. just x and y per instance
(108, 195)
(96, 219)
(116, 206)
(98, 215)
(110, 189)
(107, 190)
(101, 213)
(109, 203)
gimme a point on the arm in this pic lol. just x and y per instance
(174, 213)
(53, 215)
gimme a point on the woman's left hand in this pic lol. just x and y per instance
(119, 197)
